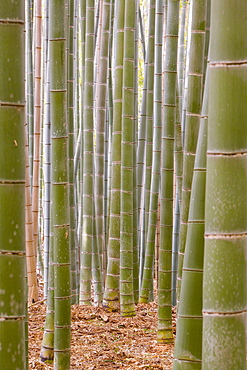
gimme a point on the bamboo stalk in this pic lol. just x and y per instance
(30, 80)
(13, 292)
(88, 161)
(224, 281)
(60, 183)
(111, 293)
(71, 119)
(193, 111)
(37, 120)
(127, 306)
(101, 116)
(47, 160)
(188, 345)
(155, 176)
(30, 252)
(167, 175)
(145, 137)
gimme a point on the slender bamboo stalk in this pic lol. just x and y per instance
(81, 130)
(127, 306)
(181, 54)
(149, 118)
(142, 32)
(167, 175)
(207, 38)
(71, 118)
(111, 293)
(98, 185)
(187, 34)
(224, 281)
(101, 115)
(30, 252)
(47, 347)
(13, 290)
(145, 139)
(30, 80)
(59, 182)
(140, 171)
(188, 345)
(155, 179)
(178, 158)
(37, 120)
(88, 161)
(47, 160)
(193, 111)
(175, 244)
(135, 196)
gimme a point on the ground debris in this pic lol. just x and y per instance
(103, 340)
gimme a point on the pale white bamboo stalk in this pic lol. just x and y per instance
(37, 121)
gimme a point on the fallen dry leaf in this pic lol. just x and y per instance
(103, 340)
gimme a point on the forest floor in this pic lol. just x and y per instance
(105, 340)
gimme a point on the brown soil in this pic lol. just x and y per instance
(103, 340)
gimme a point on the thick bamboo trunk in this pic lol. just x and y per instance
(188, 345)
(224, 282)
(193, 111)
(13, 290)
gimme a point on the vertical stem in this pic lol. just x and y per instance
(224, 280)
(59, 182)
(127, 306)
(111, 294)
(88, 160)
(12, 187)
(37, 121)
(167, 176)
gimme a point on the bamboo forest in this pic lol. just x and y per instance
(123, 184)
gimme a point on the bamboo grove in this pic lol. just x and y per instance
(123, 171)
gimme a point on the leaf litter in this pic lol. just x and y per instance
(104, 340)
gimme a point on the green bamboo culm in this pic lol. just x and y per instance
(79, 169)
(101, 135)
(13, 286)
(87, 238)
(71, 119)
(127, 305)
(193, 111)
(167, 173)
(149, 64)
(155, 177)
(224, 281)
(30, 80)
(111, 293)
(59, 182)
(188, 344)
(135, 197)
(147, 121)
(181, 54)
(47, 347)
